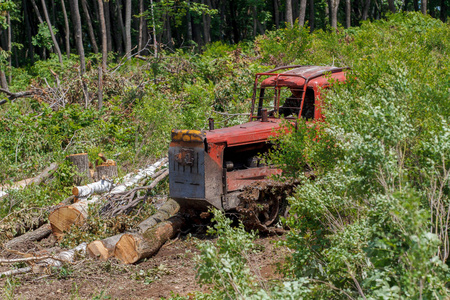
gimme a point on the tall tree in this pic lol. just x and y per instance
(141, 25)
(107, 12)
(333, 13)
(348, 14)
(76, 20)
(55, 43)
(104, 38)
(423, 6)
(302, 13)
(89, 26)
(276, 13)
(392, 5)
(289, 16)
(128, 27)
(66, 28)
(366, 7)
(311, 15)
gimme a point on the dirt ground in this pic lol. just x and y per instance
(170, 272)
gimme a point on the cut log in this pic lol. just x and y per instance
(104, 249)
(133, 247)
(36, 235)
(35, 180)
(63, 218)
(81, 163)
(99, 187)
(15, 271)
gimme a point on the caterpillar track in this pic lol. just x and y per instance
(262, 203)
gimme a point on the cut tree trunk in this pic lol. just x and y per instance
(31, 236)
(107, 170)
(98, 187)
(81, 162)
(64, 217)
(133, 247)
(104, 249)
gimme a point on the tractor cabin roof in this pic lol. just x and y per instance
(299, 75)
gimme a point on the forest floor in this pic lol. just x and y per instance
(170, 272)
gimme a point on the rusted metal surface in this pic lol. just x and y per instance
(238, 179)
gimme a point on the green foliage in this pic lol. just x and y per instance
(43, 37)
(372, 222)
(283, 46)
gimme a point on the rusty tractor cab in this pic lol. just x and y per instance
(213, 167)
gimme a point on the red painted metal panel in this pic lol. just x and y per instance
(238, 179)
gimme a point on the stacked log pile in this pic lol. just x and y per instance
(129, 247)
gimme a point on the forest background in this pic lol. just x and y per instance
(117, 76)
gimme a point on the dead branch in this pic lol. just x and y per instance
(16, 271)
(12, 96)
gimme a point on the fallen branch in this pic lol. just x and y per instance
(123, 203)
(26, 182)
(16, 271)
(11, 96)
(35, 235)
(23, 259)
(104, 249)
(133, 247)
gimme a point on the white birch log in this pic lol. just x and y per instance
(16, 271)
(132, 179)
(99, 187)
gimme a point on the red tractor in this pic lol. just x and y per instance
(221, 167)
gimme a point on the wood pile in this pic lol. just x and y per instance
(129, 247)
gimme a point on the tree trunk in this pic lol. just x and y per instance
(366, 10)
(276, 13)
(289, 17)
(141, 25)
(128, 28)
(423, 6)
(100, 88)
(392, 5)
(89, 26)
(62, 218)
(67, 30)
(333, 12)
(31, 236)
(302, 13)
(28, 30)
(443, 14)
(98, 187)
(38, 14)
(8, 19)
(76, 19)
(107, 12)
(47, 19)
(47, 172)
(133, 247)
(189, 22)
(206, 24)
(106, 170)
(311, 15)
(104, 41)
(81, 163)
(348, 14)
(120, 19)
(104, 249)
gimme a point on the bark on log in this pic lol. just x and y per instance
(98, 187)
(133, 179)
(63, 218)
(81, 162)
(107, 170)
(133, 246)
(35, 235)
(104, 249)
(35, 180)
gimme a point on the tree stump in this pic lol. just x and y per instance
(81, 163)
(107, 169)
